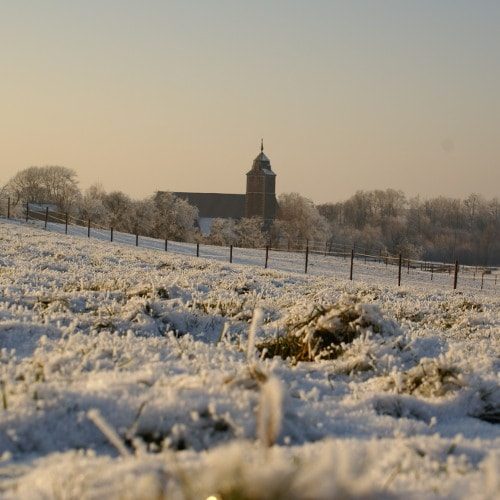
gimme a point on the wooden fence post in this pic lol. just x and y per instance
(230, 254)
(408, 271)
(8, 207)
(432, 271)
(197, 249)
(482, 280)
(111, 235)
(46, 216)
(455, 277)
(399, 270)
(66, 224)
(267, 257)
(136, 239)
(166, 245)
(307, 257)
(352, 264)
(88, 230)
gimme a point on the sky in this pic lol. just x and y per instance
(177, 94)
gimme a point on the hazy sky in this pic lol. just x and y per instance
(175, 95)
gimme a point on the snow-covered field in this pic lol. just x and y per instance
(133, 373)
(365, 269)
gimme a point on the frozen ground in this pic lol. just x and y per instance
(132, 373)
(365, 269)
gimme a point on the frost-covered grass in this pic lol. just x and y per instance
(130, 373)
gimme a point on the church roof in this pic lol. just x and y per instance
(214, 205)
(262, 164)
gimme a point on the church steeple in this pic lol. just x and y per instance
(260, 198)
(262, 164)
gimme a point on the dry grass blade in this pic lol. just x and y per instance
(324, 333)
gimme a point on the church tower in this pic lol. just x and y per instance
(260, 198)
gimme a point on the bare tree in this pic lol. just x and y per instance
(51, 184)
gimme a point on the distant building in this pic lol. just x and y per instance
(259, 200)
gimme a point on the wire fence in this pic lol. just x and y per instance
(329, 259)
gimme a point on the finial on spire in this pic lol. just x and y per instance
(262, 145)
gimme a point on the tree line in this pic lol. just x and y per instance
(438, 229)
(435, 229)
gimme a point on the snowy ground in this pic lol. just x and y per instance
(365, 269)
(133, 373)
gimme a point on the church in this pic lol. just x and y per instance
(258, 201)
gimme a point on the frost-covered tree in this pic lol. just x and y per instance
(91, 205)
(120, 211)
(439, 228)
(222, 232)
(144, 216)
(299, 220)
(174, 218)
(249, 233)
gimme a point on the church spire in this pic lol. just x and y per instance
(262, 145)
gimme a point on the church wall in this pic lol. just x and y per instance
(270, 198)
(255, 199)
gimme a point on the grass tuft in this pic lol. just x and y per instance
(430, 378)
(324, 333)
